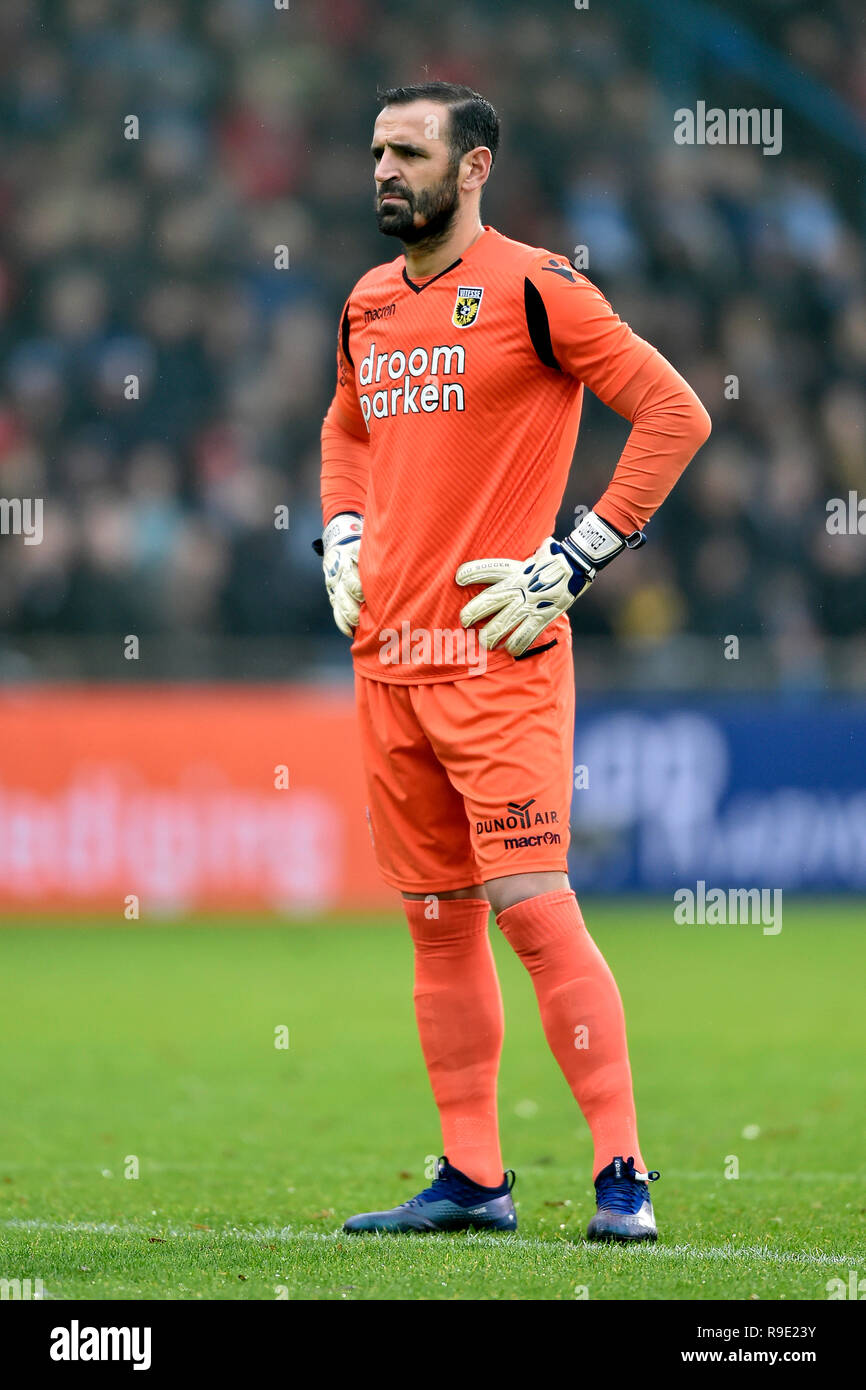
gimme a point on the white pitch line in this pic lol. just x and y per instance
(483, 1238)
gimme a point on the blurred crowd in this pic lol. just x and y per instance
(163, 384)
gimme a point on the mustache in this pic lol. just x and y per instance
(394, 192)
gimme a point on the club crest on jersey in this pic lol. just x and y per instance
(466, 306)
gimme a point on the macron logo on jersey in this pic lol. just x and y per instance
(406, 385)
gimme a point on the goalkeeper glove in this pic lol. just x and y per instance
(526, 595)
(339, 547)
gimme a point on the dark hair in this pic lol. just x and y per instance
(473, 120)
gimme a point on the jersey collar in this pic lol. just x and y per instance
(418, 286)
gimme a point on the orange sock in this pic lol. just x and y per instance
(458, 1006)
(582, 1015)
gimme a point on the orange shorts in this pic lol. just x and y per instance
(470, 780)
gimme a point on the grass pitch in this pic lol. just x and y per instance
(151, 1050)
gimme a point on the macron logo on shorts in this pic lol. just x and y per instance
(550, 837)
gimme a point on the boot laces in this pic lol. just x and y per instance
(625, 1192)
(452, 1186)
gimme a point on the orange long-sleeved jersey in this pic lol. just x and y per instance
(454, 422)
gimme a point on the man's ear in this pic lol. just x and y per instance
(477, 164)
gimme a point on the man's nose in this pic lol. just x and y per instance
(386, 170)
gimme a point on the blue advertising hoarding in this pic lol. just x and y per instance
(738, 792)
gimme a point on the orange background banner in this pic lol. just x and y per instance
(171, 794)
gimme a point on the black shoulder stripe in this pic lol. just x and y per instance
(344, 335)
(538, 324)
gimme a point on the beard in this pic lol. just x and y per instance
(437, 206)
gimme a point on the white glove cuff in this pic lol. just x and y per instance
(594, 542)
(596, 539)
(345, 526)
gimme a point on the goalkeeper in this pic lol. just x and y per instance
(445, 454)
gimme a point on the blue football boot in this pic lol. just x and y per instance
(625, 1211)
(452, 1202)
